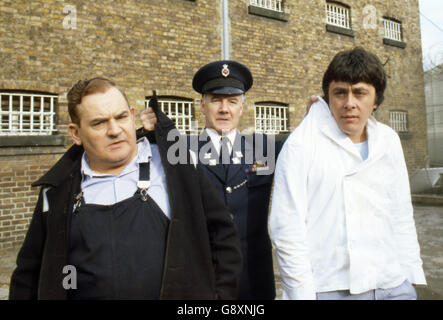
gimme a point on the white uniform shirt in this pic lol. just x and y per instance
(338, 222)
(215, 139)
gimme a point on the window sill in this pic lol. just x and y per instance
(33, 141)
(394, 43)
(281, 16)
(405, 135)
(340, 30)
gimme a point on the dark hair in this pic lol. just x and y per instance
(84, 88)
(353, 66)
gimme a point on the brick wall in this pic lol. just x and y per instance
(17, 198)
(159, 44)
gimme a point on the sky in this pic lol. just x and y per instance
(431, 24)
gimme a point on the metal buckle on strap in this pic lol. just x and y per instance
(78, 200)
(144, 194)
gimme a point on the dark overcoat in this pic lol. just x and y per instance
(202, 260)
(246, 191)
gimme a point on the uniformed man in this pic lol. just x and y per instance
(121, 220)
(239, 166)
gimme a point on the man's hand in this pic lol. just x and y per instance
(148, 118)
(311, 100)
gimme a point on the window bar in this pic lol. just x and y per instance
(176, 116)
(51, 118)
(31, 110)
(347, 19)
(10, 112)
(284, 119)
(42, 114)
(20, 121)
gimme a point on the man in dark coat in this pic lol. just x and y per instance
(172, 239)
(239, 166)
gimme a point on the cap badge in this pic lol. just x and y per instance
(225, 71)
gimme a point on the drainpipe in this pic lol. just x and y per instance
(225, 30)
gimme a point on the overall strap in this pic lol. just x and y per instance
(144, 182)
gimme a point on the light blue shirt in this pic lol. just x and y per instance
(106, 189)
(363, 148)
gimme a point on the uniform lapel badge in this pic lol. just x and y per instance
(238, 154)
(225, 71)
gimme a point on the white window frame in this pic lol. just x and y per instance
(338, 15)
(392, 29)
(18, 119)
(173, 108)
(273, 5)
(398, 120)
(270, 118)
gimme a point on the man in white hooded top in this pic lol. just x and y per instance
(341, 218)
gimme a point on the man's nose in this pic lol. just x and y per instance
(113, 128)
(350, 102)
(224, 105)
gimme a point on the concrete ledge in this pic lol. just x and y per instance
(398, 44)
(268, 13)
(428, 199)
(33, 141)
(339, 30)
(405, 135)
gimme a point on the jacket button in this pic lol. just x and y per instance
(229, 190)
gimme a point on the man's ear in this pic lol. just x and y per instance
(73, 132)
(202, 106)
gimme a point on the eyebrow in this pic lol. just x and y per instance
(101, 119)
(360, 89)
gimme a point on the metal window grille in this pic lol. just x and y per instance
(271, 119)
(27, 114)
(337, 15)
(392, 30)
(180, 111)
(274, 5)
(399, 120)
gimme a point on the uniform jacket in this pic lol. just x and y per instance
(338, 222)
(202, 260)
(246, 194)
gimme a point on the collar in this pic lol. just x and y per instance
(330, 128)
(144, 154)
(215, 138)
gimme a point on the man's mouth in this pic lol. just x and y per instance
(117, 143)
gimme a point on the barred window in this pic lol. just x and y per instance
(274, 5)
(338, 15)
(24, 113)
(271, 119)
(399, 120)
(180, 110)
(392, 29)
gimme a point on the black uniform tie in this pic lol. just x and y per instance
(225, 157)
